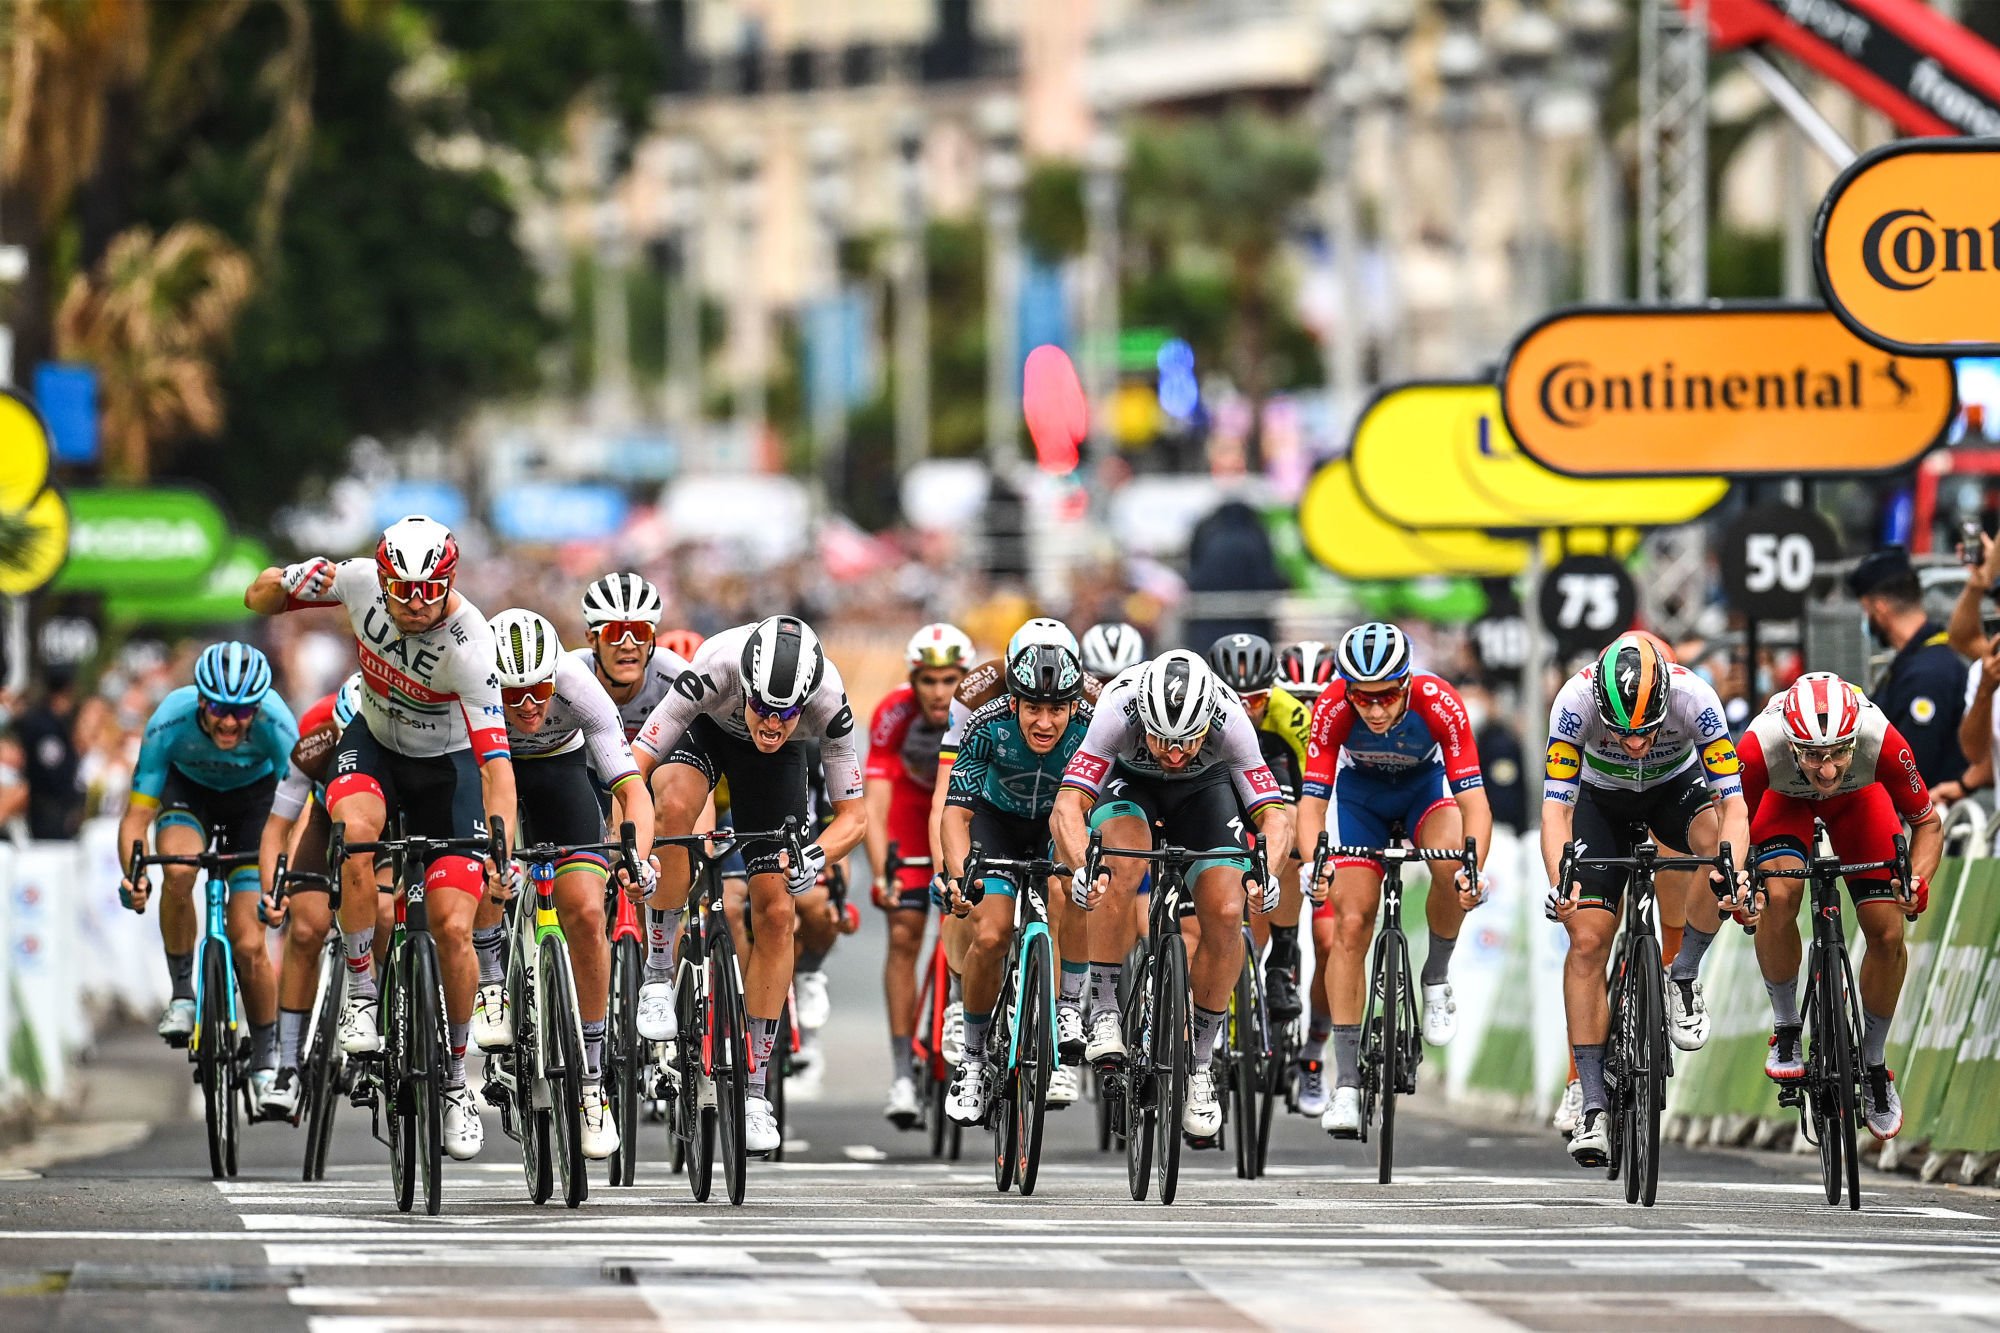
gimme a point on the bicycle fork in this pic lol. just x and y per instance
(215, 931)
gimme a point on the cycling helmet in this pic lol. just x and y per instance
(621, 597)
(682, 643)
(782, 663)
(1045, 673)
(1372, 654)
(525, 648)
(347, 700)
(1821, 710)
(1244, 662)
(1666, 649)
(417, 547)
(938, 645)
(233, 674)
(1632, 683)
(1042, 629)
(1110, 648)
(1306, 668)
(1176, 696)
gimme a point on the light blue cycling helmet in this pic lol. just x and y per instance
(1373, 653)
(232, 674)
(347, 701)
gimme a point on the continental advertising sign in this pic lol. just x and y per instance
(1439, 455)
(1908, 247)
(1344, 534)
(1719, 390)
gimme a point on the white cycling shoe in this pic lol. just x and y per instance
(262, 1081)
(903, 1110)
(464, 1136)
(600, 1131)
(1342, 1117)
(814, 1005)
(492, 1024)
(1687, 1015)
(1569, 1111)
(177, 1022)
(1202, 1117)
(1590, 1145)
(951, 1043)
(360, 1030)
(965, 1103)
(760, 1126)
(1065, 1086)
(283, 1096)
(1107, 1037)
(1312, 1094)
(1070, 1039)
(1440, 1014)
(657, 1020)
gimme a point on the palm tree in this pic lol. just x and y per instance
(153, 318)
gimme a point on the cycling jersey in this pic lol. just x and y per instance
(427, 694)
(1117, 736)
(712, 687)
(983, 684)
(1434, 732)
(655, 679)
(311, 759)
(902, 744)
(580, 716)
(1881, 757)
(997, 768)
(1290, 720)
(1583, 751)
(175, 742)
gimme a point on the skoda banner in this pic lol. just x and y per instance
(125, 540)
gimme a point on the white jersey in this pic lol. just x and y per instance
(580, 715)
(1583, 750)
(427, 694)
(655, 679)
(293, 789)
(712, 687)
(1117, 736)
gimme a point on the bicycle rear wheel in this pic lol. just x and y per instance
(562, 1063)
(1245, 1069)
(431, 1051)
(624, 1070)
(1648, 1072)
(1387, 1036)
(1137, 1078)
(1170, 1060)
(215, 1057)
(731, 1061)
(1035, 1057)
(1850, 1081)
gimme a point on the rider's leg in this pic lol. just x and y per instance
(308, 917)
(988, 931)
(1704, 910)
(1356, 898)
(180, 924)
(1110, 932)
(768, 974)
(357, 803)
(899, 985)
(1218, 959)
(1441, 827)
(579, 894)
(453, 889)
(680, 795)
(1584, 1001)
(1883, 964)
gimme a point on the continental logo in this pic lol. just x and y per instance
(1908, 247)
(1720, 758)
(1564, 762)
(1744, 390)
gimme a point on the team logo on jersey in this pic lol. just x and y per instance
(1563, 761)
(1720, 758)
(1922, 709)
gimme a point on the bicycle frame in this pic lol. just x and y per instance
(1031, 920)
(215, 867)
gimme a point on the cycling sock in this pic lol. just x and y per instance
(1875, 1038)
(455, 1077)
(1207, 1027)
(1075, 976)
(1687, 961)
(1784, 1001)
(264, 1045)
(1317, 1031)
(1670, 942)
(1437, 963)
(1104, 987)
(486, 943)
(976, 1027)
(1346, 1055)
(810, 960)
(663, 933)
(763, 1036)
(1590, 1071)
(291, 1027)
(902, 1052)
(1284, 948)
(180, 968)
(593, 1051)
(360, 963)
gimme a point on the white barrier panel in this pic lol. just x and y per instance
(10, 1080)
(41, 936)
(1548, 947)
(129, 968)
(1479, 964)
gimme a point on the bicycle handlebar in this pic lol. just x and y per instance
(978, 865)
(1169, 855)
(493, 845)
(1898, 865)
(1467, 856)
(789, 834)
(626, 845)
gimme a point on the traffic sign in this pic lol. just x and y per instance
(1769, 556)
(1586, 600)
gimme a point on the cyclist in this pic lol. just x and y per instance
(563, 730)
(1306, 668)
(1010, 764)
(903, 741)
(1820, 749)
(433, 743)
(207, 767)
(1247, 665)
(1392, 749)
(634, 663)
(1109, 648)
(1635, 744)
(1169, 744)
(742, 711)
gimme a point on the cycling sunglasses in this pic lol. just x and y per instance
(1255, 698)
(417, 592)
(776, 714)
(1633, 731)
(625, 631)
(521, 697)
(1377, 698)
(233, 712)
(1816, 756)
(1188, 746)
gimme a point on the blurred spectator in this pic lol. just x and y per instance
(13, 784)
(1923, 691)
(1499, 743)
(47, 738)
(1230, 552)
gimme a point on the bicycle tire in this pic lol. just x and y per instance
(696, 1122)
(1835, 1075)
(624, 1067)
(1035, 1062)
(1002, 1109)
(1170, 1062)
(1387, 1036)
(1103, 1107)
(1617, 1045)
(562, 1062)
(1136, 1081)
(325, 1064)
(396, 1091)
(731, 1062)
(1850, 1129)
(431, 1045)
(214, 1057)
(776, 1075)
(1244, 1070)
(1648, 1076)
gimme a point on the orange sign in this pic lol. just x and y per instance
(1720, 390)
(1908, 247)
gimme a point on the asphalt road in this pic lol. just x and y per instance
(112, 1223)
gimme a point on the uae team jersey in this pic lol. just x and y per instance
(427, 694)
(1881, 755)
(655, 679)
(174, 741)
(712, 687)
(1582, 750)
(580, 716)
(1117, 736)
(1434, 730)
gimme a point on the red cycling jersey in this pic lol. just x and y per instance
(1434, 728)
(903, 751)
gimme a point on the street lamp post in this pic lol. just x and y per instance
(1389, 23)
(999, 123)
(826, 150)
(1343, 93)
(1594, 29)
(1527, 48)
(1102, 167)
(1460, 61)
(747, 312)
(913, 370)
(611, 385)
(683, 292)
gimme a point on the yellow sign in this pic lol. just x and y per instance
(25, 492)
(1908, 247)
(1439, 455)
(1744, 390)
(1352, 540)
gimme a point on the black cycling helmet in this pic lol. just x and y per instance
(1245, 662)
(1044, 673)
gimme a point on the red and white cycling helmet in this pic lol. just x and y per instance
(1821, 710)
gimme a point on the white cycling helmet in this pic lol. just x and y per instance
(526, 648)
(1110, 648)
(621, 597)
(1042, 629)
(417, 547)
(782, 664)
(1821, 711)
(938, 645)
(1177, 696)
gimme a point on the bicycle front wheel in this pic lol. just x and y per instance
(397, 1096)
(623, 1070)
(325, 1065)
(1170, 1060)
(731, 1061)
(216, 1056)
(1245, 1069)
(1648, 1070)
(1035, 1056)
(430, 1052)
(693, 1122)
(1137, 1079)
(777, 1073)
(1387, 1038)
(562, 1064)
